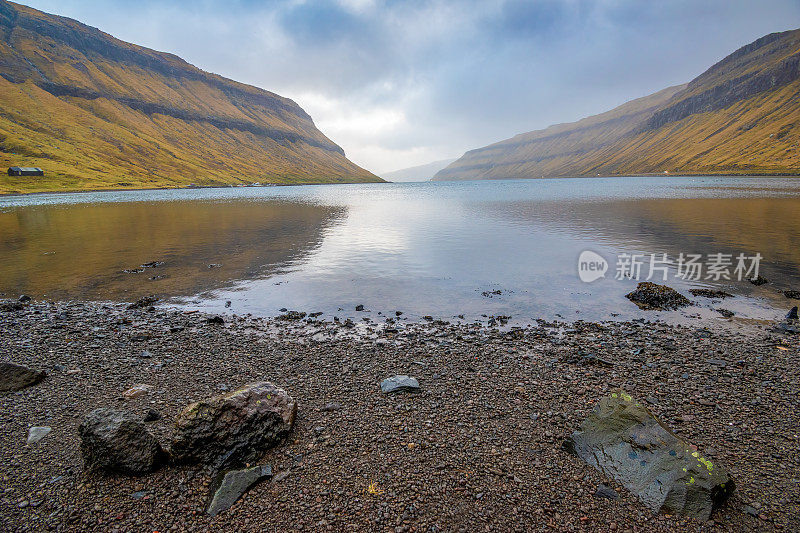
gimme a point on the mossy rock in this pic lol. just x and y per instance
(625, 441)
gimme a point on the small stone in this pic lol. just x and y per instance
(710, 293)
(794, 295)
(333, 406)
(37, 433)
(749, 509)
(230, 486)
(136, 391)
(144, 302)
(399, 384)
(291, 315)
(604, 491)
(792, 314)
(758, 280)
(359, 307)
(216, 320)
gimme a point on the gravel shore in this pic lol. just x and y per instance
(477, 449)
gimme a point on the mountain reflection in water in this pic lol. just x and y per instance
(81, 251)
(442, 249)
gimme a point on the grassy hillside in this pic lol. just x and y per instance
(742, 116)
(96, 112)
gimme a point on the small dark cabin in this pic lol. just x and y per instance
(25, 171)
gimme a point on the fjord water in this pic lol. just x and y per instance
(441, 249)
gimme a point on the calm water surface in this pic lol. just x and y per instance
(422, 248)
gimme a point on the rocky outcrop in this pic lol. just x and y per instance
(117, 441)
(624, 441)
(229, 430)
(14, 377)
(740, 75)
(659, 297)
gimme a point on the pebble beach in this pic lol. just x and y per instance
(477, 448)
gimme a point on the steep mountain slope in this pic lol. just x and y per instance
(417, 173)
(741, 116)
(97, 112)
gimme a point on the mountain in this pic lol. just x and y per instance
(95, 112)
(741, 116)
(418, 173)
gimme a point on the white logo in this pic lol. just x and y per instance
(591, 266)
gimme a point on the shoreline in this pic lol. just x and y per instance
(643, 175)
(139, 189)
(478, 447)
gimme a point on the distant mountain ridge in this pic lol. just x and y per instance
(417, 173)
(97, 112)
(741, 116)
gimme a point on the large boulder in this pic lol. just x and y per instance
(15, 377)
(230, 430)
(653, 296)
(624, 441)
(117, 441)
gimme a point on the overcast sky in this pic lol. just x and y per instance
(402, 83)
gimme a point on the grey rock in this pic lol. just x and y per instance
(228, 487)
(229, 430)
(752, 511)
(14, 377)
(37, 433)
(792, 314)
(604, 491)
(624, 441)
(117, 441)
(399, 384)
(332, 406)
